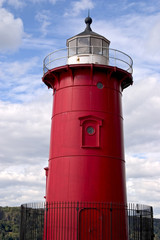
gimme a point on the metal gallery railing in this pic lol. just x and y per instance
(111, 57)
(86, 221)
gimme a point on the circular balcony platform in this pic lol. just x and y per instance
(91, 55)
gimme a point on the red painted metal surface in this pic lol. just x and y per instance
(86, 161)
(86, 166)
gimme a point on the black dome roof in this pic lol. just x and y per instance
(88, 31)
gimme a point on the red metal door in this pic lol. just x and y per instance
(90, 224)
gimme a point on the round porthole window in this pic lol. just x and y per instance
(100, 85)
(90, 130)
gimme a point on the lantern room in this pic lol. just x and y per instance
(88, 47)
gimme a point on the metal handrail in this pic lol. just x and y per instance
(113, 57)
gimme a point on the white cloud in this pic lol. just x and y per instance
(53, 1)
(16, 3)
(22, 3)
(24, 150)
(50, 1)
(141, 166)
(78, 6)
(18, 69)
(19, 82)
(1, 2)
(142, 114)
(145, 191)
(152, 42)
(31, 43)
(44, 19)
(11, 31)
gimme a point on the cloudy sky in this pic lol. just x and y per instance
(31, 29)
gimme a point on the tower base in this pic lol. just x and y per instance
(87, 221)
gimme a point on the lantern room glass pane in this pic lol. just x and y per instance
(96, 46)
(105, 49)
(72, 48)
(83, 45)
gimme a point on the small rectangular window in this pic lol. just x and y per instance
(105, 49)
(72, 48)
(83, 45)
(96, 46)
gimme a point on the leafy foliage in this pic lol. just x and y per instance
(9, 223)
(157, 229)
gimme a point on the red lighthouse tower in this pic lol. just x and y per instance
(86, 160)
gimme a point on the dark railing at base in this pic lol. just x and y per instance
(87, 221)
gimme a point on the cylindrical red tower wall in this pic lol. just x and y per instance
(86, 166)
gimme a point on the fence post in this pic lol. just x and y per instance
(115, 58)
(77, 218)
(152, 226)
(111, 209)
(21, 224)
(46, 220)
(140, 224)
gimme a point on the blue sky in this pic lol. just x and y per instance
(30, 30)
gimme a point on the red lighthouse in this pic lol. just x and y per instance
(86, 160)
